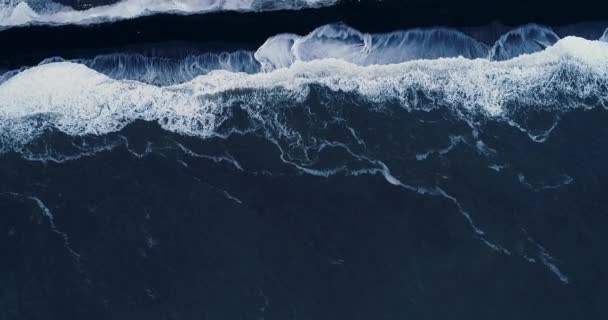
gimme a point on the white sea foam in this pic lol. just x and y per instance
(20, 12)
(605, 36)
(16, 13)
(80, 101)
(157, 69)
(336, 41)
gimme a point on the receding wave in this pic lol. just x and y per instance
(24, 12)
(75, 99)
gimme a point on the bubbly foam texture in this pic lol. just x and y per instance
(20, 12)
(77, 100)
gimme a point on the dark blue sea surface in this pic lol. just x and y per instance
(317, 173)
(164, 226)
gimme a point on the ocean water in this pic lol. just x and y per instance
(333, 172)
(26, 12)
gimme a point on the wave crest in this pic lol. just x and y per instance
(77, 100)
(276, 52)
(334, 41)
(523, 40)
(24, 12)
(340, 41)
(163, 71)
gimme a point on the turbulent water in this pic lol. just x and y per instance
(25, 12)
(338, 174)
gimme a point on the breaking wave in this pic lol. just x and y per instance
(168, 71)
(434, 112)
(524, 40)
(24, 12)
(334, 41)
(342, 42)
(77, 100)
(157, 69)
